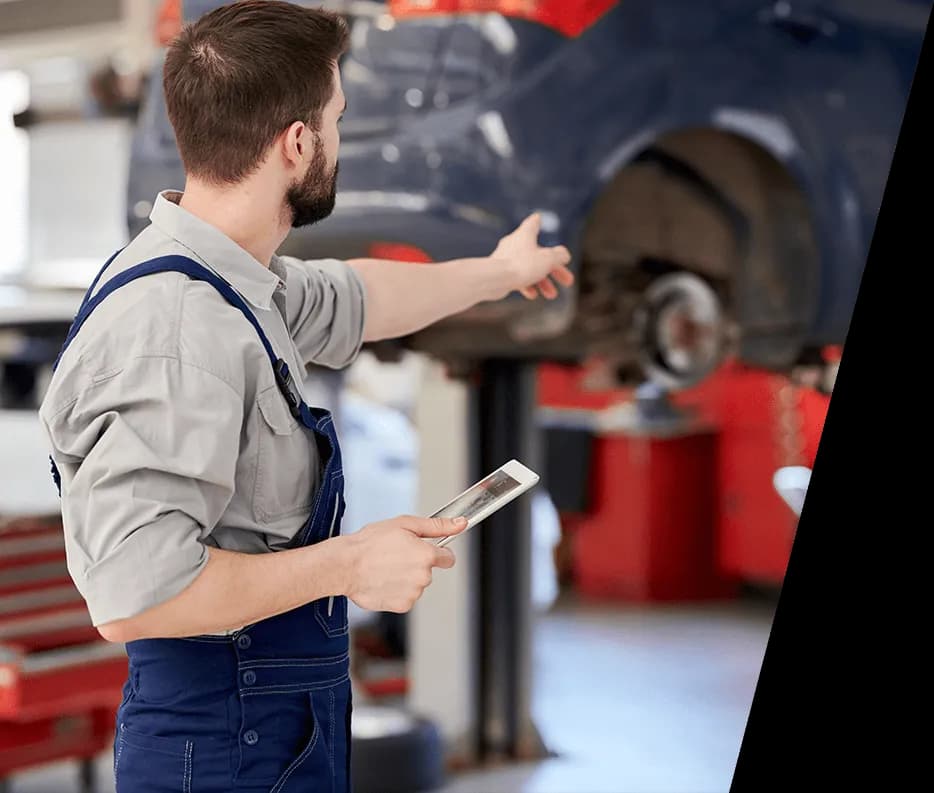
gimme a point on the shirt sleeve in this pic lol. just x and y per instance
(325, 302)
(148, 460)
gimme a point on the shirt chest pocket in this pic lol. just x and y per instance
(285, 459)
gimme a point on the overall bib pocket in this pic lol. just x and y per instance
(280, 490)
(284, 743)
(326, 755)
(308, 764)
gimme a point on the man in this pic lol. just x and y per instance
(201, 495)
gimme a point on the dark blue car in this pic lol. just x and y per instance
(715, 166)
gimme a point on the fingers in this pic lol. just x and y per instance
(556, 260)
(561, 254)
(546, 286)
(444, 558)
(554, 263)
(542, 288)
(563, 276)
(548, 290)
(436, 527)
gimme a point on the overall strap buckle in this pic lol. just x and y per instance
(287, 387)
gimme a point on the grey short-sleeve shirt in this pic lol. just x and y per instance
(165, 420)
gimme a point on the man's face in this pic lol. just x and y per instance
(312, 197)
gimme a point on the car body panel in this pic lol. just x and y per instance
(459, 125)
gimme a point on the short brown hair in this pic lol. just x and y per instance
(239, 75)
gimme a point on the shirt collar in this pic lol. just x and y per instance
(244, 273)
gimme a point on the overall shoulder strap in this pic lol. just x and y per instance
(198, 272)
(162, 264)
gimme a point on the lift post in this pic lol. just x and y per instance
(469, 648)
(505, 416)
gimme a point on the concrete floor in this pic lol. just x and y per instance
(631, 699)
(638, 700)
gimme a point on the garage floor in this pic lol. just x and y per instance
(639, 700)
(631, 699)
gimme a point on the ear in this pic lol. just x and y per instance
(295, 143)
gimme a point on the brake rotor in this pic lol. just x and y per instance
(681, 330)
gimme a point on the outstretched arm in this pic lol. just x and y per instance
(403, 297)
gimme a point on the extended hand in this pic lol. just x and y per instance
(534, 268)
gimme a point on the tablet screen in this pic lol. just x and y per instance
(479, 496)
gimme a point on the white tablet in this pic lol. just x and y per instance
(488, 495)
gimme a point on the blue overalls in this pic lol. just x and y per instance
(267, 708)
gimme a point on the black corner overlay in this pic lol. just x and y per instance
(845, 665)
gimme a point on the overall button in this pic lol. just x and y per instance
(244, 641)
(249, 677)
(251, 737)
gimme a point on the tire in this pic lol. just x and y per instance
(395, 752)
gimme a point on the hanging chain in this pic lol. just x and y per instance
(790, 430)
(790, 424)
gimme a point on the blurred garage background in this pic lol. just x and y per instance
(715, 168)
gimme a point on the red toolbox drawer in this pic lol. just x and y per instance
(60, 683)
(651, 534)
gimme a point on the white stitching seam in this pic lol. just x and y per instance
(186, 786)
(294, 687)
(335, 659)
(331, 742)
(120, 745)
(298, 761)
(322, 621)
(337, 508)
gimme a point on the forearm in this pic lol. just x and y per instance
(403, 297)
(236, 589)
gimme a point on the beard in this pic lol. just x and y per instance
(312, 198)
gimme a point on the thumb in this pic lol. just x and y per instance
(444, 558)
(439, 527)
(531, 226)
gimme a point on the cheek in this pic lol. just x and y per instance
(333, 145)
(334, 151)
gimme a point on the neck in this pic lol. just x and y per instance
(244, 212)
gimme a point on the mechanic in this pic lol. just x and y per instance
(201, 496)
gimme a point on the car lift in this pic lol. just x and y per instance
(470, 635)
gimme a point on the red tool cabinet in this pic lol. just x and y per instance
(60, 683)
(659, 506)
(651, 534)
